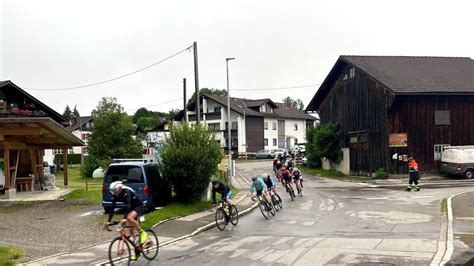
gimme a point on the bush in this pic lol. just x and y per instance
(323, 141)
(381, 174)
(71, 158)
(89, 166)
(189, 158)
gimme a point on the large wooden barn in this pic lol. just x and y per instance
(27, 128)
(392, 107)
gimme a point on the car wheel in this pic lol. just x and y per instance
(469, 174)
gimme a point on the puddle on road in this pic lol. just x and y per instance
(393, 217)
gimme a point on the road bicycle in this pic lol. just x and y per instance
(226, 213)
(120, 247)
(265, 207)
(299, 187)
(276, 200)
(290, 190)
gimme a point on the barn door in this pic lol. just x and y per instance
(359, 153)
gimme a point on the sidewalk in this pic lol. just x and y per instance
(463, 229)
(168, 232)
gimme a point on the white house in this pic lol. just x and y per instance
(255, 124)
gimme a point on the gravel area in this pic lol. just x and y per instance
(48, 228)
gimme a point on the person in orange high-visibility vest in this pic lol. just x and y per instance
(414, 172)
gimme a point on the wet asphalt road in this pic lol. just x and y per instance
(333, 223)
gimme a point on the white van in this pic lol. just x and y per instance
(458, 160)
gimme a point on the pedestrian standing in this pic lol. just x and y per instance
(414, 173)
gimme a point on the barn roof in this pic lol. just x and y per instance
(408, 75)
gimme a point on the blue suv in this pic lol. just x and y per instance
(143, 177)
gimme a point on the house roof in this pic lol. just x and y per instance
(79, 123)
(51, 113)
(407, 75)
(242, 106)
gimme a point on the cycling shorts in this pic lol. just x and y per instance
(259, 192)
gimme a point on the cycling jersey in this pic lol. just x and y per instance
(296, 174)
(269, 182)
(285, 175)
(131, 203)
(259, 186)
(222, 189)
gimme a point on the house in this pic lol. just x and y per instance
(27, 128)
(392, 107)
(255, 124)
(81, 128)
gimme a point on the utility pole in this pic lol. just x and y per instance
(185, 107)
(196, 83)
(229, 124)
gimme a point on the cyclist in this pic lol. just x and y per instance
(271, 185)
(258, 185)
(297, 178)
(278, 167)
(287, 179)
(223, 189)
(133, 208)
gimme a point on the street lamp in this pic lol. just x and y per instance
(229, 141)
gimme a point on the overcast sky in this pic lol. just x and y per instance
(57, 44)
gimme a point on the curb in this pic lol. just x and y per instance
(450, 234)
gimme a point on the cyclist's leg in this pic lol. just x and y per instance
(228, 197)
(266, 196)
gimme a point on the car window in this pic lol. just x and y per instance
(128, 173)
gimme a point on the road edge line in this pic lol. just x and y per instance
(442, 240)
(450, 234)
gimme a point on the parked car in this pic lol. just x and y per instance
(280, 151)
(458, 160)
(264, 154)
(143, 177)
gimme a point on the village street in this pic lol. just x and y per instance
(333, 223)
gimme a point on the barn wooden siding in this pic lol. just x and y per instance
(414, 115)
(360, 106)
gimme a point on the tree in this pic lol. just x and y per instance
(291, 103)
(215, 92)
(172, 113)
(142, 112)
(67, 113)
(112, 134)
(190, 156)
(146, 123)
(323, 142)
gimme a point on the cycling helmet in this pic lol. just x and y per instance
(254, 178)
(215, 182)
(265, 175)
(115, 185)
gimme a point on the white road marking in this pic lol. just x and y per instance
(420, 197)
(465, 218)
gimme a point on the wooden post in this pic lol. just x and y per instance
(6, 158)
(65, 167)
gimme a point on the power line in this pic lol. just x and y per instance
(116, 78)
(280, 88)
(163, 103)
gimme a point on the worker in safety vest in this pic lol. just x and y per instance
(414, 173)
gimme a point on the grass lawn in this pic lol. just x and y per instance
(444, 205)
(175, 209)
(333, 174)
(10, 255)
(85, 189)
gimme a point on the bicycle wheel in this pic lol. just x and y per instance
(220, 219)
(280, 202)
(119, 252)
(275, 203)
(292, 194)
(263, 208)
(151, 247)
(234, 215)
(271, 208)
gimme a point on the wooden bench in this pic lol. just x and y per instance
(24, 183)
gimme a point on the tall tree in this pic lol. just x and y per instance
(292, 103)
(67, 113)
(142, 112)
(216, 92)
(112, 134)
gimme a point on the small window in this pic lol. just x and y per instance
(442, 118)
(217, 109)
(296, 127)
(352, 72)
(265, 142)
(296, 141)
(438, 151)
(274, 125)
(275, 142)
(265, 125)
